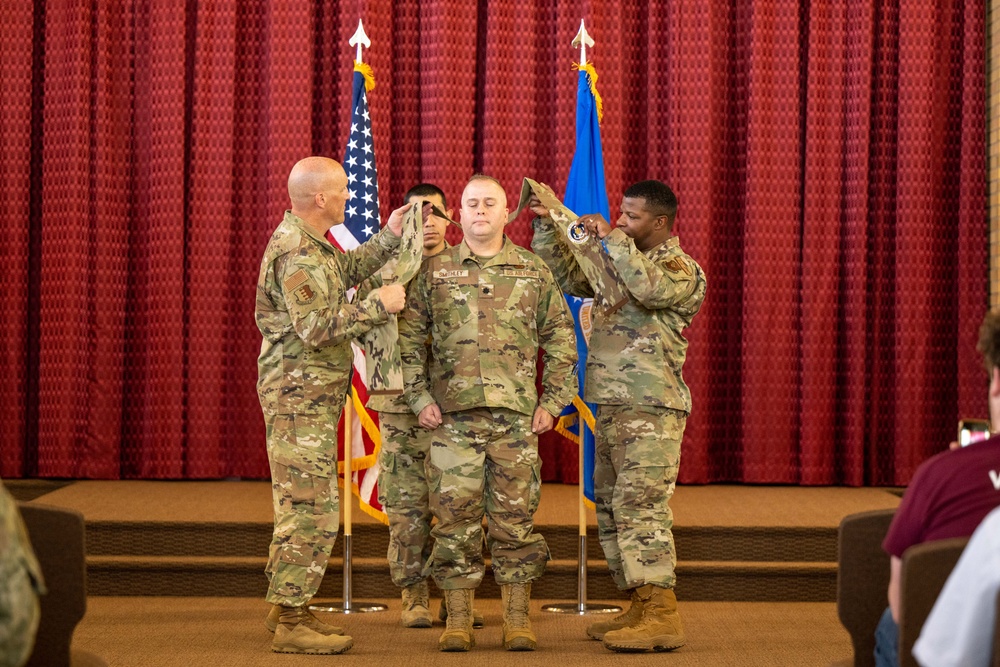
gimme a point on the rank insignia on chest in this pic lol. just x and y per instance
(486, 291)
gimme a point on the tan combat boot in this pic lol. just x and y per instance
(517, 634)
(299, 631)
(458, 634)
(659, 629)
(627, 618)
(271, 622)
(416, 606)
(477, 616)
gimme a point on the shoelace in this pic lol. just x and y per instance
(517, 604)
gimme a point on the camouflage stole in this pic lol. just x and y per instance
(609, 290)
(383, 366)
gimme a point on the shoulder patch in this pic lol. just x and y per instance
(675, 265)
(296, 279)
(304, 294)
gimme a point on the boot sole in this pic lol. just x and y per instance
(658, 646)
(520, 645)
(311, 651)
(417, 623)
(455, 645)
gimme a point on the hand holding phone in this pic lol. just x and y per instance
(972, 430)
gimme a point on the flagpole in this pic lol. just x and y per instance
(582, 40)
(348, 606)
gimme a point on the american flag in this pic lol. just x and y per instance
(361, 222)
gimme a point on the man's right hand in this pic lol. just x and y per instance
(393, 297)
(430, 417)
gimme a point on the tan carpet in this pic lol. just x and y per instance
(168, 632)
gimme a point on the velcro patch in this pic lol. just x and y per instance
(304, 294)
(296, 279)
(519, 273)
(454, 273)
(677, 266)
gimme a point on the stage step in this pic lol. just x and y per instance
(693, 543)
(211, 538)
(244, 576)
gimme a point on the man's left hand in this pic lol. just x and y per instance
(542, 421)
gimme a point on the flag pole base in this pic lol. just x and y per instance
(581, 610)
(349, 608)
(581, 606)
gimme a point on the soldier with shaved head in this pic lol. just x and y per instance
(304, 372)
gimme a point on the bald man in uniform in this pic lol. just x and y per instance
(304, 372)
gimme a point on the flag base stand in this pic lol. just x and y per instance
(581, 609)
(348, 606)
(581, 606)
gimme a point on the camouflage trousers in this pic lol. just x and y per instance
(306, 504)
(402, 490)
(485, 460)
(637, 455)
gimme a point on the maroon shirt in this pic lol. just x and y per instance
(949, 496)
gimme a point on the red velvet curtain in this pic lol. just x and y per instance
(829, 159)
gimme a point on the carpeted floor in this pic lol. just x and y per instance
(181, 632)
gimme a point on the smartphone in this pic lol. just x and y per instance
(972, 430)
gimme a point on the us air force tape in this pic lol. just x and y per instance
(609, 290)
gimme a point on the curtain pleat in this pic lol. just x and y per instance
(16, 122)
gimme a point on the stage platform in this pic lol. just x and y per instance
(734, 543)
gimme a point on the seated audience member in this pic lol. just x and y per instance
(959, 630)
(20, 584)
(948, 497)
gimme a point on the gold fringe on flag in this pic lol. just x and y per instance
(366, 71)
(592, 80)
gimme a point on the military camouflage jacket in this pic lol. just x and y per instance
(486, 319)
(636, 354)
(303, 314)
(384, 403)
(20, 584)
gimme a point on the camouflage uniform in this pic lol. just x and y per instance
(304, 372)
(20, 585)
(486, 318)
(634, 376)
(402, 481)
